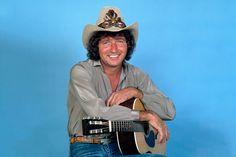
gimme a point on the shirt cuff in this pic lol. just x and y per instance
(135, 114)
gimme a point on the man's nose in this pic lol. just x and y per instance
(113, 46)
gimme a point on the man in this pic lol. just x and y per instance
(100, 84)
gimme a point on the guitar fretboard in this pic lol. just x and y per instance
(128, 126)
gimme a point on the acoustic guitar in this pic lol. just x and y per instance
(133, 137)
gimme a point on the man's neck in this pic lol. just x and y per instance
(113, 74)
(113, 71)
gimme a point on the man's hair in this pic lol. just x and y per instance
(92, 48)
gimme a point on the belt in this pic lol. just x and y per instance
(92, 140)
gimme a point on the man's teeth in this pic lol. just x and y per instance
(113, 56)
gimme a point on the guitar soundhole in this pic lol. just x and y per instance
(149, 136)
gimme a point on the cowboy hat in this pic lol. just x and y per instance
(110, 20)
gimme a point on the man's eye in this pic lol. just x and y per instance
(105, 42)
(121, 41)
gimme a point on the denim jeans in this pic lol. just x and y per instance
(101, 150)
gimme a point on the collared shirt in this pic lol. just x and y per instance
(89, 88)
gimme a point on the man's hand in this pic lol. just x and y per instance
(157, 124)
(121, 96)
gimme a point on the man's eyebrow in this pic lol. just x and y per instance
(119, 36)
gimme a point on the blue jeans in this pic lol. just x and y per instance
(101, 150)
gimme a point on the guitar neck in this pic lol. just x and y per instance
(128, 126)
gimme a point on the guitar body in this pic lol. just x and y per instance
(138, 142)
(133, 137)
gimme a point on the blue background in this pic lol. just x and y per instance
(187, 47)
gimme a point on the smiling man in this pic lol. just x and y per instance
(99, 85)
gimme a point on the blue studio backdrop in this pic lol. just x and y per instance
(187, 48)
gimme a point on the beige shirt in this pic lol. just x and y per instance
(89, 88)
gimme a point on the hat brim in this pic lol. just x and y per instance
(89, 30)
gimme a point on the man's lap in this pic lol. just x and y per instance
(101, 150)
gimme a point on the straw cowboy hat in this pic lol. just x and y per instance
(110, 20)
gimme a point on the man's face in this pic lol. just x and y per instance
(112, 50)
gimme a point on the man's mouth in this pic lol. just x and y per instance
(113, 56)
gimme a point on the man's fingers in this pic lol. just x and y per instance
(110, 100)
(163, 134)
(113, 100)
(167, 134)
(161, 137)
